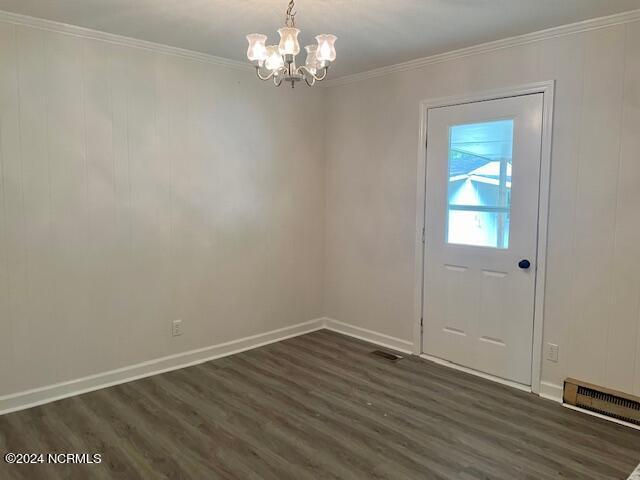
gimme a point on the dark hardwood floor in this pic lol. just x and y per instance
(318, 407)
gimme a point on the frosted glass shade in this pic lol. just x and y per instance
(274, 60)
(326, 48)
(312, 63)
(289, 41)
(257, 50)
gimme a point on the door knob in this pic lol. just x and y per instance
(524, 264)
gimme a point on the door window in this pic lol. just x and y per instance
(479, 188)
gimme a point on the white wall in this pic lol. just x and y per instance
(137, 188)
(593, 272)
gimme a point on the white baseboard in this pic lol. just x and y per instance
(31, 398)
(381, 339)
(551, 391)
(635, 475)
(38, 396)
(599, 415)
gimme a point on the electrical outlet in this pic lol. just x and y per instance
(552, 352)
(176, 328)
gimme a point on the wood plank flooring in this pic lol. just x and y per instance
(317, 406)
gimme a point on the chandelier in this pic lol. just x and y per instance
(278, 62)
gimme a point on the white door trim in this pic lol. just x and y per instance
(547, 88)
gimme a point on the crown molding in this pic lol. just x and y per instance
(82, 32)
(573, 28)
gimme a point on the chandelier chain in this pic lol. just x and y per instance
(291, 15)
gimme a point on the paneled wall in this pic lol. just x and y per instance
(592, 308)
(137, 188)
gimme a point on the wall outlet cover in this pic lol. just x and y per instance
(552, 352)
(176, 328)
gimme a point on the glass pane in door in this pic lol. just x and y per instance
(479, 189)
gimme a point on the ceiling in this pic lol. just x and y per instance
(371, 33)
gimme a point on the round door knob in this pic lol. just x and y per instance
(524, 264)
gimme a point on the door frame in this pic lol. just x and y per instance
(547, 88)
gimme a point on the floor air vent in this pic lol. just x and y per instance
(386, 355)
(602, 400)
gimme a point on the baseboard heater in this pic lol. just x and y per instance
(602, 400)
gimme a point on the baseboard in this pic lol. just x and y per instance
(635, 475)
(381, 339)
(551, 391)
(31, 398)
(599, 415)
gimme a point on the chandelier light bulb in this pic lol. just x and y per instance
(274, 60)
(326, 47)
(312, 62)
(257, 50)
(289, 41)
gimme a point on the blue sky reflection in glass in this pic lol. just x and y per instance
(479, 190)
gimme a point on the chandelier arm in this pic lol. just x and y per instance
(276, 82)
(268, 77)
(302, 69)
(310, 83)
(324, 74)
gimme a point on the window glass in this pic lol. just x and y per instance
(479, 190)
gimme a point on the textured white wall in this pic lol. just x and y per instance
(593, 277)
(137, 188)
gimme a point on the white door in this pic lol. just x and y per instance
(483, 175)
